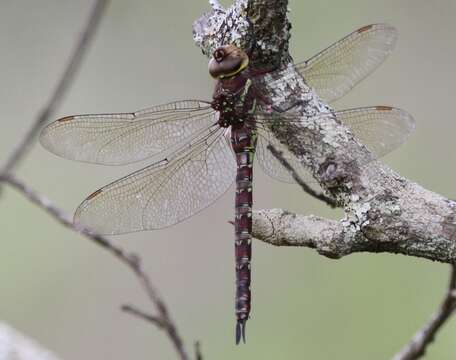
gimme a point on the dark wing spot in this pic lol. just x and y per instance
(66, 118)
(365, 28)
(94, 194)
(384, 108)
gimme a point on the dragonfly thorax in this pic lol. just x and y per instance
(234, 99)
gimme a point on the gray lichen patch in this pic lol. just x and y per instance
(384, 212)
(218, 28)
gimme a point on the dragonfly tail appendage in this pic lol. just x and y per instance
(240, 331)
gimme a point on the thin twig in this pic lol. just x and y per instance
(424, 337)
(133, 310)
(63, 84)
(132, 261)
(306, 188)
(198, 353)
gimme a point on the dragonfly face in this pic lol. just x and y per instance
(227, 61)
(233, 97)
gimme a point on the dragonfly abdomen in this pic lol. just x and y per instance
(243, 139)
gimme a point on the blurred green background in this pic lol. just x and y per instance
(62, 290)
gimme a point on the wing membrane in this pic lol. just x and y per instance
(336, 70)
(164, 193)
(116, 139)
(273, 167)
(381, 129)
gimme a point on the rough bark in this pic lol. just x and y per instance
(383, 211)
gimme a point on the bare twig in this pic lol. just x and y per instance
(133, 310)
(63, 84)
(304, 186)
(132, 261)
(198, 353)
(424, 337)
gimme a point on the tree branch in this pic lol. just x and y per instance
(157, 321)
(216, 6)
(424, 337)
(133, 262)
(198, 353)
(63, 85)
(383, 211)
(163, 319)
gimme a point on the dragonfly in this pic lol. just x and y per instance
(198, 149)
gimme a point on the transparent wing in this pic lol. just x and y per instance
(273, 167)
(116, 139)
(380, 128)
(336, 70)
(164, 193)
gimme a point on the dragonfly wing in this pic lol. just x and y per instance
(333, 72)
(116, 139)
(165, 193)
(381, 128)
(272, 166)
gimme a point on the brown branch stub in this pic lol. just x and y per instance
(282, 228)
(425, 336)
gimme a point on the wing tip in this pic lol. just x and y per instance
(391, 31)
(45, 138)
(405, 116)
(83, 219)
(377, 26)
(364, 28)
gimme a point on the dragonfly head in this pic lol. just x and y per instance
(227, 61)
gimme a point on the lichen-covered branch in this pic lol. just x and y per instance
(336, 239)
(383, 211)
(281, 228)
(259, 26)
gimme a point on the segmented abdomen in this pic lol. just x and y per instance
(243, 139)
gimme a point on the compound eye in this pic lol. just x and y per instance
(219, 55)
(227, 61)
